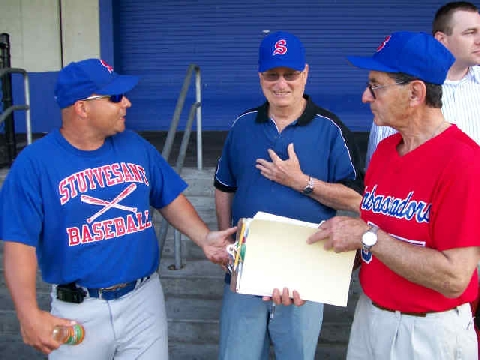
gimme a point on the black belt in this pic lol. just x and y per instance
(72, 293)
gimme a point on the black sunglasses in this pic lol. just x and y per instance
(112, 98)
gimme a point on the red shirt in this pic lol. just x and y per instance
(429, 197)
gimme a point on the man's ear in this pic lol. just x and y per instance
(441, 37)
(81, 108)
(418, 92)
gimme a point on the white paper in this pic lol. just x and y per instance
(278, 256)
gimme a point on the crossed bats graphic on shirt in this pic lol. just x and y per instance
(107, 205)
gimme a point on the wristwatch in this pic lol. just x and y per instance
(309, 188)
(369, 238)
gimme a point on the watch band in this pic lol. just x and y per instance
(374, 229)
(309, 188)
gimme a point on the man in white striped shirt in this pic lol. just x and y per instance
(457, 26)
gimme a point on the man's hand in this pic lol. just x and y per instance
(215, 245)
(340, 233)
(37, 330)
(285, 172)
(284, 298)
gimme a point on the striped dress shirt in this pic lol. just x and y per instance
(461, 106)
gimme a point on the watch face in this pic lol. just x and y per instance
(307, 190)
(369, 238)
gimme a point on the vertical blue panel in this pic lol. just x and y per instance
(157, 40)
(44, 111)
(106, 31)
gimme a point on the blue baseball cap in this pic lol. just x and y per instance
(416, 54)
(281, 49)
(79, 80)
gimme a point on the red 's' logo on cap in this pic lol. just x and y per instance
(382, 45)
(280, 47)
(108, 67)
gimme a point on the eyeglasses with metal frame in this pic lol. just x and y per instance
(274, 76)
(372, 88)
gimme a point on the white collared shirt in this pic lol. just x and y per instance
(461, 106)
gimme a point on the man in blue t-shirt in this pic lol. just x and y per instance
(77, 203)
(291, 158)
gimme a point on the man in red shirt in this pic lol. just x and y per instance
(418, 231)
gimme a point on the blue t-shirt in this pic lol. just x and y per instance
(322, 146)
(88, 213)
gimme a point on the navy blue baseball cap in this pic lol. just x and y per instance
(281, 49)
(416, 54)
(79, 80)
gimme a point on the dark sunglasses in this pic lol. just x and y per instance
(273, 76)
(112, 98)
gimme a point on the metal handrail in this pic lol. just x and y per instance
(26, 107)
(195, 110)
(167, 148)
(186, 136)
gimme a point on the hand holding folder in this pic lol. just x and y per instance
(282, 297)
(276, 255)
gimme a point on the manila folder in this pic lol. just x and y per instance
(278, 256)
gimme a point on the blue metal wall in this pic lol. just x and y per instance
(159, 39)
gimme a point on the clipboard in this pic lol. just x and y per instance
(272, 252)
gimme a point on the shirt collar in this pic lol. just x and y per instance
(472, 76)
(474, 72)
(306, 117)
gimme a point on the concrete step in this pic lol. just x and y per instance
(207, 216)
(179, 351)
(43, 300)
(194, 269)
(3, 174)
(198, 286)
(200, 182)
(8, 322)
(197, 279)
(205, 207)
(203, 308)
(190, 250)
(195, 319)
(13, 348)
(207, 332)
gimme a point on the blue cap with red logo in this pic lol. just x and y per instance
(416, 54)
(79, 80)
(281, 49)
